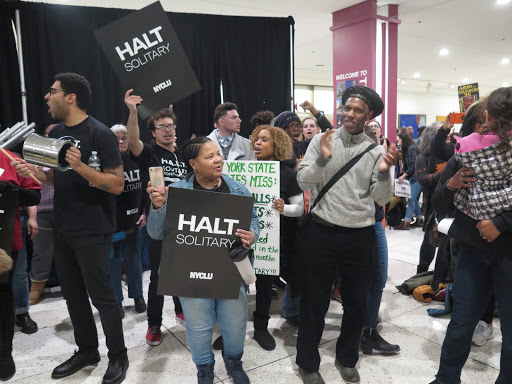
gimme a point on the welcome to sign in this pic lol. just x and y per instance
(261, 179)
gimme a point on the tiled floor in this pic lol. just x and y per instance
(404, 321)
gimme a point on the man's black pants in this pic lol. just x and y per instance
(324, 248)
(82, 264)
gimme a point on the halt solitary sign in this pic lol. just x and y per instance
(199, 232)
(145, 52)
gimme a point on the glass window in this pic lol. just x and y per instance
(324, 99)
(303, 93)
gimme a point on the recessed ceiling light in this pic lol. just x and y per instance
(505, 84)
(417, 75)
(444, 52)
(465, 80)
(502, 2)
(452, 86)
(505, 60)
(403, 81)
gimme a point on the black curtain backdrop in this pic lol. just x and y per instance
(10, 102)
(250, 55)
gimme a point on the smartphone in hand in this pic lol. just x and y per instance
(156, 176)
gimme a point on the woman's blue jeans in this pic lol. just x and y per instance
(379, 280)
(201, 315)
(127, 250)
(477, 274)
(20, 278)
(413, 205)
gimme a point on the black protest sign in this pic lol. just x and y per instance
(8, 207)
(199, 231)
(145, 52)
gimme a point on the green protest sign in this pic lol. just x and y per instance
(261, 179)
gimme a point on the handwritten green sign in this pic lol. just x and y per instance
(261, 179)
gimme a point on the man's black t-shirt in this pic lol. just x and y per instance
(130, 202)
(172, 163)
(81, 209)
(289, 225)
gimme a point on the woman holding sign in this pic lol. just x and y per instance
(205, 163)
(274, 144)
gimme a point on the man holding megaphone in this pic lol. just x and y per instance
(82, 246)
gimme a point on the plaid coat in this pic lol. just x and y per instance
(491, 194)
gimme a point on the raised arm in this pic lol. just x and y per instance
(131, 101)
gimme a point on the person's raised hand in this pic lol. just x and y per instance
(132, 101)
(326, 143)
(158, 196)
(446, 122)
(306, 105)
(389, 159)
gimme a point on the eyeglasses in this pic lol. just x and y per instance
(53, 91)
(124, 139)
(163, 127)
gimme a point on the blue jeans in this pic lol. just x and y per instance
(413, 205)
(144, 248)
(201, 315)
(379, 280)
(477, 274)
(127, 250)
(20, 278)
(291, 305)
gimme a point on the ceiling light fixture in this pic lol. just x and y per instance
(465, 80)
(443, 52)
(417, 75)
(505, 84)
(403, 81)
(452, 86)
(502, 2)
(505, 60)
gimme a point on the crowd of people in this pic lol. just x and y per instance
(334, 184)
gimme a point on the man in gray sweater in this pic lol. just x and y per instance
(340, 232)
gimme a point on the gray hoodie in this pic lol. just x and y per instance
(349, 202)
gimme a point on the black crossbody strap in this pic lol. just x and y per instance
(340, 174)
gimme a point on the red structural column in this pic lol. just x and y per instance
(365, 53)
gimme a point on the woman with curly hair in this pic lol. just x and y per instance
(274, 144)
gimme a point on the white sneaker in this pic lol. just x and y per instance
(482, 333)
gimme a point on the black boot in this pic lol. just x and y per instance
(236, 371)
(373, 343)
(265, 339)
(218, 344)
(27, 325)
(205, 373)
(7, 366)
